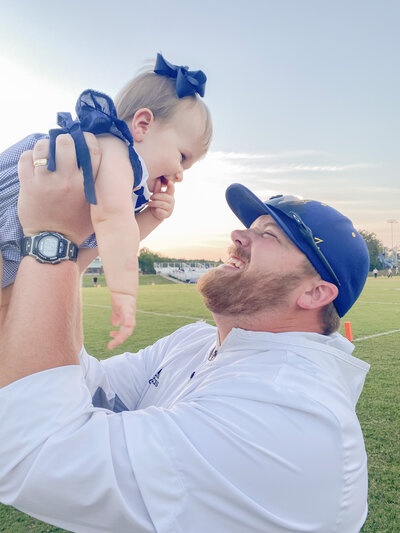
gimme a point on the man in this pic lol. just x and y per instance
(250, 427)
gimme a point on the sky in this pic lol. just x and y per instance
(304, 96)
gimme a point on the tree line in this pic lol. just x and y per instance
(375, 248)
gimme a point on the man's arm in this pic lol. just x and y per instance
(43, 313)
(43, 328)
(47, 418)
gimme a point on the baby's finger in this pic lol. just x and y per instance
(163, 195)
(170, 188)
(161, 214)
(119, 336)
(159, 202)
(112, 344)
(157, 186)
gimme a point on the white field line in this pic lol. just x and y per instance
(378, 303)
(376, 335)
(209, 320)
(154, 313)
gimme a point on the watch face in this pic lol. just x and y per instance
(48, 246)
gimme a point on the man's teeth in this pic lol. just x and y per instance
(236, 262)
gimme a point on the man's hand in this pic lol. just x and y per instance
(55, 201)
(161, 202)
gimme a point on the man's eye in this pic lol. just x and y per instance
(268, 234)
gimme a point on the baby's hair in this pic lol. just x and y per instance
(157, 93)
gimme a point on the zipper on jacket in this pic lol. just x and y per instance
(211, 357)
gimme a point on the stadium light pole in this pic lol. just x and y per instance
(392, 221)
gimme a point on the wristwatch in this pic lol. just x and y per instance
(49, 247)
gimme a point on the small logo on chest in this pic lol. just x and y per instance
(155, 380)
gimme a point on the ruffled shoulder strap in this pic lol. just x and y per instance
(96, 114)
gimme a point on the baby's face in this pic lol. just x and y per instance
(171, 147)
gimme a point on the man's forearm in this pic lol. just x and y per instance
(42, 329)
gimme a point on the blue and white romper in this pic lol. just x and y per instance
(96, 114)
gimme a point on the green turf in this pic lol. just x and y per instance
(144, 279)
(377, 311)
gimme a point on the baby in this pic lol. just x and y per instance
(158, 128)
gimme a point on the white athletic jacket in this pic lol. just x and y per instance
(258, 436)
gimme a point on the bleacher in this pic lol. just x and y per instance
(184, 272)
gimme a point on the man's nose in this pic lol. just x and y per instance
(241, 237)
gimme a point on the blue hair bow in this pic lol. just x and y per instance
(187, 81)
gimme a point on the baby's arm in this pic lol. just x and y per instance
(159, 208)
(117, 234)
(85, 257)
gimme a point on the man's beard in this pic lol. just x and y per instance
(242, 292)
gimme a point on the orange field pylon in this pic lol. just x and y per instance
(348, 331)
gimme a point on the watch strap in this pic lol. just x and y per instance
(67, 250)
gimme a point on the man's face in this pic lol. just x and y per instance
(263, 269)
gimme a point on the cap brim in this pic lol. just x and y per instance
(246, 206)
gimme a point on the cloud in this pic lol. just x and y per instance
(241, 162)
(235, 156)
(309, 173)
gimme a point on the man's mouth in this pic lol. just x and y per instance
(236, 262)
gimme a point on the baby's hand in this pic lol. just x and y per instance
(161, 202)
(123, 315)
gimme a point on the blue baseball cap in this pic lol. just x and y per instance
(328, 239)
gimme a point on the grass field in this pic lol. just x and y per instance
(163, 307)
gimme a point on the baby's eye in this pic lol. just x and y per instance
(183, 157)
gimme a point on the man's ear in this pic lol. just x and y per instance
(319, 295)
(140, 123)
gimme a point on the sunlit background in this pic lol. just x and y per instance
(304, 96)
